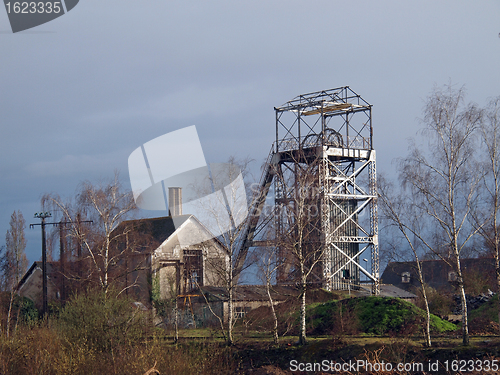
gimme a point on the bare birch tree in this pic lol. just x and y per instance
(442, 179)
(267, 263)
(223, 210)
(490, 132)
(298, 237)
(395, 211)
(103, 244)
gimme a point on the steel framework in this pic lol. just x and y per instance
(329, 134)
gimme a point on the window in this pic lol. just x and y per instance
(193, 269)
(405, 277)
(240, 312)
(346, 274)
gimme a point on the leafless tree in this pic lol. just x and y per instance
(267, 263)
(395, 211)
(298, 238)
(490, 132)
(441, 178)
(224, 213)
(14, 262)
(106, 243)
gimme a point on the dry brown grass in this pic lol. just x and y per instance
(43, 351)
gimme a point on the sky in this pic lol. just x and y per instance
(80, 93)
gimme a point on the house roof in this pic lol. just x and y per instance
(52, 271)
(435, 272)
(159, 228)
(162, 228)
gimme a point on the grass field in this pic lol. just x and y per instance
(96, 335)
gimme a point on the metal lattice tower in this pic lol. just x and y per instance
(330, 134)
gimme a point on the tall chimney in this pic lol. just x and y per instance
(175, 201)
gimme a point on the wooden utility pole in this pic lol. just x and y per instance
(43, 216)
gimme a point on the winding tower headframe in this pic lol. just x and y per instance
(330, 132)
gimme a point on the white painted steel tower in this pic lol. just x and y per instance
(330, 134)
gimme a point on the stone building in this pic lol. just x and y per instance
(172, 254)
(188, 258)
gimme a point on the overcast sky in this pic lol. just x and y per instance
(80, 93)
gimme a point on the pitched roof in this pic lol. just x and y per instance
(52, 271)
(159, 228)
(435, 272)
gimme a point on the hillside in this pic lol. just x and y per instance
(368, 315)
(371, 315)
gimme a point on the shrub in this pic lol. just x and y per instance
(440, 303)
(487, 312)
(29, 313)
(100, 321)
